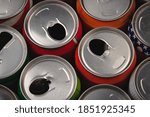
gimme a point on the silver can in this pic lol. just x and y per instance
(49, 78)
(139, 29)
(13, 53)
(12, 12)
(104, 92)
(139, 88)
(6, 94)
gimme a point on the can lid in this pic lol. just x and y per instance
(106, 10)
(142, 79)
(141, 23)
(57, 75)
(13, 51)
(106, 52)
(10, 8)
(6, 94)
(51, 24)
(104, 92)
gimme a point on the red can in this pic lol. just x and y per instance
(13, 12)
(52, 27)
(98, 13)
(105, 56)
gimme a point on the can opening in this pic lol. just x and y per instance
(5, 37)
(98, 47)
(39, 86)
(57, 31)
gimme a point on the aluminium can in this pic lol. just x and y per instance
(138, 29)
(98, 13)
(12, 12)
(6, 93)
(139, 82)
(49, 77)
(104, 92)
(105, 56)
(13, 53)
(52, 27)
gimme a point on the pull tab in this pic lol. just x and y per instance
(4, 13)
(119, 62)
(39, 86)
(57, 31)
(5, 37)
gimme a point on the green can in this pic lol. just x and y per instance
(49, 77)
(13, 54)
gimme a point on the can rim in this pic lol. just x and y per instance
(31, 63)
(86, 92)
(133, 87)
(22, 40)
(120, 32)
(136, 75)
(135, 26)
(129, 7)
(20, 10)
(74, 15)
(14, 97)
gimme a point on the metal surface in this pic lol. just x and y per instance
(142, 79)
(6, 94)
(62, 77)
(106, 10)
(13, 53)
(141, 24)
(10, 8)
(117, 55)
(104, 92)
(46, 15)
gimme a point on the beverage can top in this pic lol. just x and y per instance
(6, 94)
(10, 8)
(51, 24)
(104, 92)
(106, 52)
(13, 51)
(48, 78)
(106, 10)
(141, 24)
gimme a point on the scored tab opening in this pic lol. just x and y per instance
(39, 86)
(98, 47)
(5, 37)
(57, 32)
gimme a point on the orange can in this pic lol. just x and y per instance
(97, 13)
